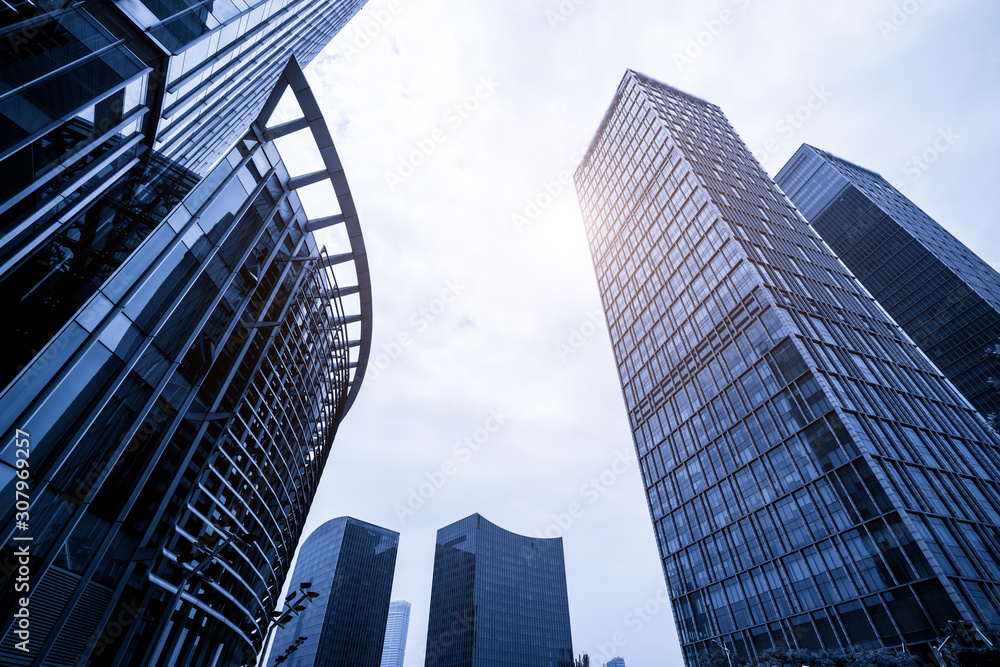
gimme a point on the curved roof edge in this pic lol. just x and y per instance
(480, 520)
(293, 77)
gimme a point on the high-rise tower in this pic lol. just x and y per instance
(497, 598)
(813, 481)
(349, 564)
(943, 295)
(396, 627)
(184, 354)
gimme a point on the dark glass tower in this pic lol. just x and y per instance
(941, 293)
(201, 352)
(350, 564)
(813, 481)
(109, 113)
(497, 599)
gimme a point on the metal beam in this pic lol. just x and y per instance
(308, 179)
(283, 129)
(320, 223)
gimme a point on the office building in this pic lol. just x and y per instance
(497, 598)
(183, 349)
(941, 293)
(615, 662)
(812, 479)
(350, 564)
(394, 646)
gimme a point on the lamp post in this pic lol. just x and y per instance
(723, 647)
(292, 606)
(940, 646)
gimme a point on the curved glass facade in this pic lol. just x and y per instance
(350, 564)
(497, 599)
(812, 479)
(110, 112)
(181, 416)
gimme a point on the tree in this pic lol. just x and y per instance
(716, 657)
(780, 657)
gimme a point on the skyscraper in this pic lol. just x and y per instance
(184, 350)
(615, 662)
(394, 647)
(941, 293)
(813, 481)
(497, 598)
(350, 564)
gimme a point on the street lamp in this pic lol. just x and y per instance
(940, 646)
(723, 647)
(292, 606)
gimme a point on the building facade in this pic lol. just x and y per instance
(943, 295)
(195, 350)
(812, 479)
(350, 564)
(396, 627)
(110, 112)
(497, 599)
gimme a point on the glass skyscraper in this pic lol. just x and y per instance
(396, 627)
(350, 564)
(181, 350)
(498, 599)
(813, 481)
(940, 292)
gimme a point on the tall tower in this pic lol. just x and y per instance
(943, 295)
(185, 353)
(813, 481)
(497, 598)
(350, 564)
(394, 647)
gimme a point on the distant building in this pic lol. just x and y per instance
(497, 599)
(583, 660)
(615, 662)
(943, 295)
(350, 564)
(394, 646)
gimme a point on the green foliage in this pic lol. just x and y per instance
(717, 658)
(777, 657)
(974, 657)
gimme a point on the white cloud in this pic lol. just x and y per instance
(495, 345)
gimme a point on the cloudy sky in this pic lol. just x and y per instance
(459, 123)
